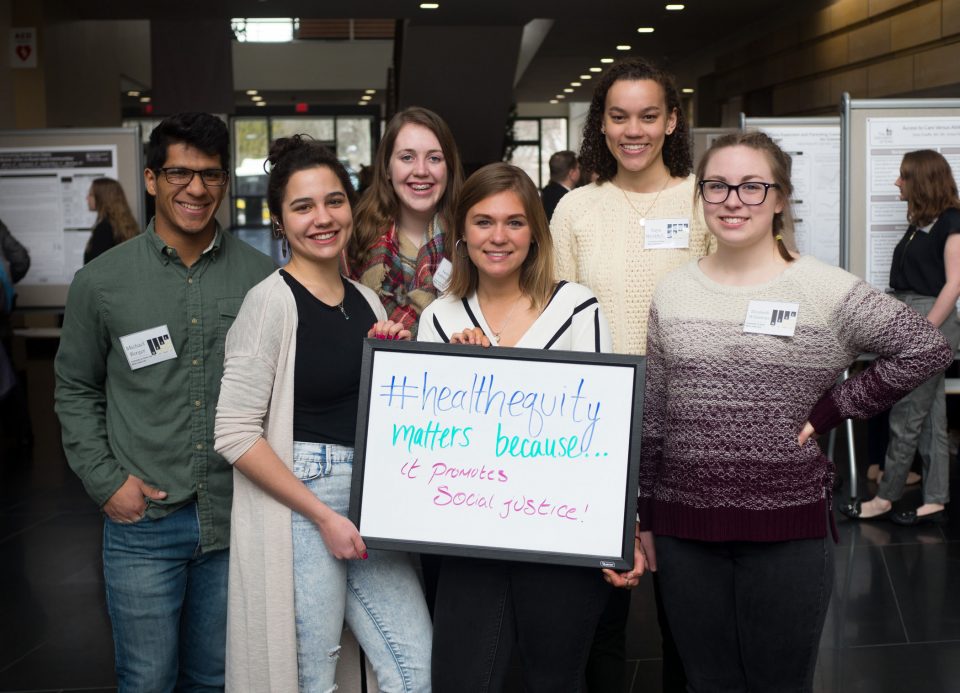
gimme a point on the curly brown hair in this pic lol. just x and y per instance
(595, 156)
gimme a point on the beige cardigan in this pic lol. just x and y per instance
(256, 400)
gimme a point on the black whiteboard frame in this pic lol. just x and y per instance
(628, 495)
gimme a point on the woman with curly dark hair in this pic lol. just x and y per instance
(619, 236)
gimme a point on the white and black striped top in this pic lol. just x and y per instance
(571, 321)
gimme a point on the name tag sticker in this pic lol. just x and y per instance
(778, 318)
(666, 233)
(441, 278)
(148, 347)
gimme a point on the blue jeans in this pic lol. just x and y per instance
(167, 604)
(380, 597)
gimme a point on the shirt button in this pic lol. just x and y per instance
(193, 321)
(197, 403)
(200, 485)
(189, 280)
(199, 446)
(196, 362)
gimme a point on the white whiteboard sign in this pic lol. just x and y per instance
(815, 151)
(512, 453)
(888, 139)
(43, 201)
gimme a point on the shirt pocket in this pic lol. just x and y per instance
(227, 309)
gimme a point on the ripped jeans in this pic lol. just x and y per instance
(380, 597)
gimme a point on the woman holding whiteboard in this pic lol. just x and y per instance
(925, 275)
(503, 293)
(744, 348)
(286, 420)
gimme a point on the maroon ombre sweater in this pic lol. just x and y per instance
(722, 409)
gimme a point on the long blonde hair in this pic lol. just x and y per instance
(111, 204)
(536, 272)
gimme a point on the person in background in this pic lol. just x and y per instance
(735, 495)
(402, 220)
(14, 414)
(619, 236)
(925, 275)
(564, 177)
(503, 293)
(115, 223)
(286, 419)
(137, 379)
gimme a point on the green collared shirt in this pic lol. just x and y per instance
(155, 422)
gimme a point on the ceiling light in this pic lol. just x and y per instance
(364, 103)
(554, 101)
(574, 84)
(261, 103)
(370, 91)
(674, 7)
(568, 90)
(366, 97)
(596, 69)
(256, 98)
(429, 5)
(144, 99)
(586, 76)
(623, 47)
(133, 93)
(645, 30)
(605, 60)
(687, 90)
(561, 96)
(251, 92)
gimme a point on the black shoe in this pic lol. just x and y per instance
(852, 510)
(909, 518)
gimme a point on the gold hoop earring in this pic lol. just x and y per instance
(461, 250)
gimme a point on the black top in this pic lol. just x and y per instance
(918, 258)
(101, 240)
(551, 195)
(326, 375)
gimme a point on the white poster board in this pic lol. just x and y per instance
(888, 139)
(44, 179)
(509, 453)
(875, 134)
(814, 147)
(43, 195)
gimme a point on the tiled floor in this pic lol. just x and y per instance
(893, 624)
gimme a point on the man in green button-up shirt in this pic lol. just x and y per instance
(138, 377)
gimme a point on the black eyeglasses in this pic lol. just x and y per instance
(183, 176)
(750, 193)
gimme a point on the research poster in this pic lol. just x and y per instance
(888, 139)
(494, 455)
(815, 151)
(43, 201)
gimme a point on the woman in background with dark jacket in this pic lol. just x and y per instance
(115, 223)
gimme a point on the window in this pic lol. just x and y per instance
(351, 137)
(535, 140)
(266, 30)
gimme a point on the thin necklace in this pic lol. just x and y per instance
(340, 306)
(643, 215)
(503, 325)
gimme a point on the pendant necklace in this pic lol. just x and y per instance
(342, 310)
(503, 325)
(643, 215)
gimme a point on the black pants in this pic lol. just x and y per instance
(484, 608)
(746, 616)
